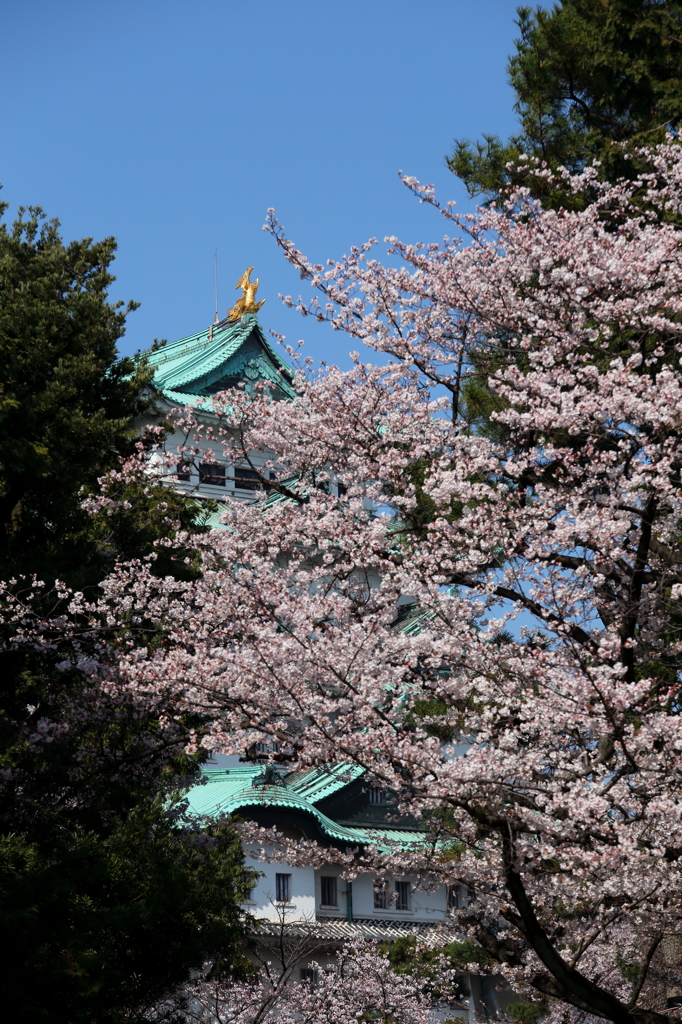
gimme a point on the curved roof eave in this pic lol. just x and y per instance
(228, 791)
(224, 793)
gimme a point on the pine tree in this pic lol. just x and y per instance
(109, 898)
(589, 76)
(65, 400)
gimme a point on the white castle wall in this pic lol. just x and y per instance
(429, 906)
(263, 902)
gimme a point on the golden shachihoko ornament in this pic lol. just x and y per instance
(247, 301)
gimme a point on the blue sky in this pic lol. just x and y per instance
(174, 126)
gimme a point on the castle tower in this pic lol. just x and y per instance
(231, 352)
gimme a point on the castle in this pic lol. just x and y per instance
(302, 913)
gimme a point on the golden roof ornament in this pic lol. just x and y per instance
(247, 303)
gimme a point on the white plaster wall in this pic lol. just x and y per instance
(306, 896)
(424, 905)
(262, 903)
(177, 438)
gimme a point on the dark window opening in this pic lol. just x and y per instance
(247, 480)
(283, 888)
(211, 474)
(329, 897)
(454, 897)
(268, 747)
(342, 490)
(183, 470)
(308, 976)
(381, 894)
(223, 384)
(377, 796)
(402, 895)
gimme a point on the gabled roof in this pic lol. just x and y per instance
(235, 790)
(316, 784)
(193, 369)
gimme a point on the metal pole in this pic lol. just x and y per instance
(215, 281)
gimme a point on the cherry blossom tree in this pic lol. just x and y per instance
(488, 621)
(360, 982)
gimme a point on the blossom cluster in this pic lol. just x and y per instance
(361, 982)
(486, 620)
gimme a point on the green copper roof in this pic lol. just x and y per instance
(231, 790)
(193, 369)
(317, 783)
(234, 790)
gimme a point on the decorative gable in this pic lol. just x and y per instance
(224, 356)
(250, 364)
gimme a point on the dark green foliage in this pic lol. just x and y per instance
(586, 74)
(109, 899)
(100, 754)
(527, 1013)
(65, 403)
(145, 513)
(106, 923)
(405, 958)
(433, 709)
(478, 402)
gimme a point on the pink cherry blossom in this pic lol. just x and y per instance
(530, 716)
(360, 982)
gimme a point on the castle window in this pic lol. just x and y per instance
(283, 888)
(377, 796)
(183, 470)
(381, 894)
(329, 896)
(265, 747)
(308, 976)
(211, 474)
(247, 480)
(402, 895)
(454, 896)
